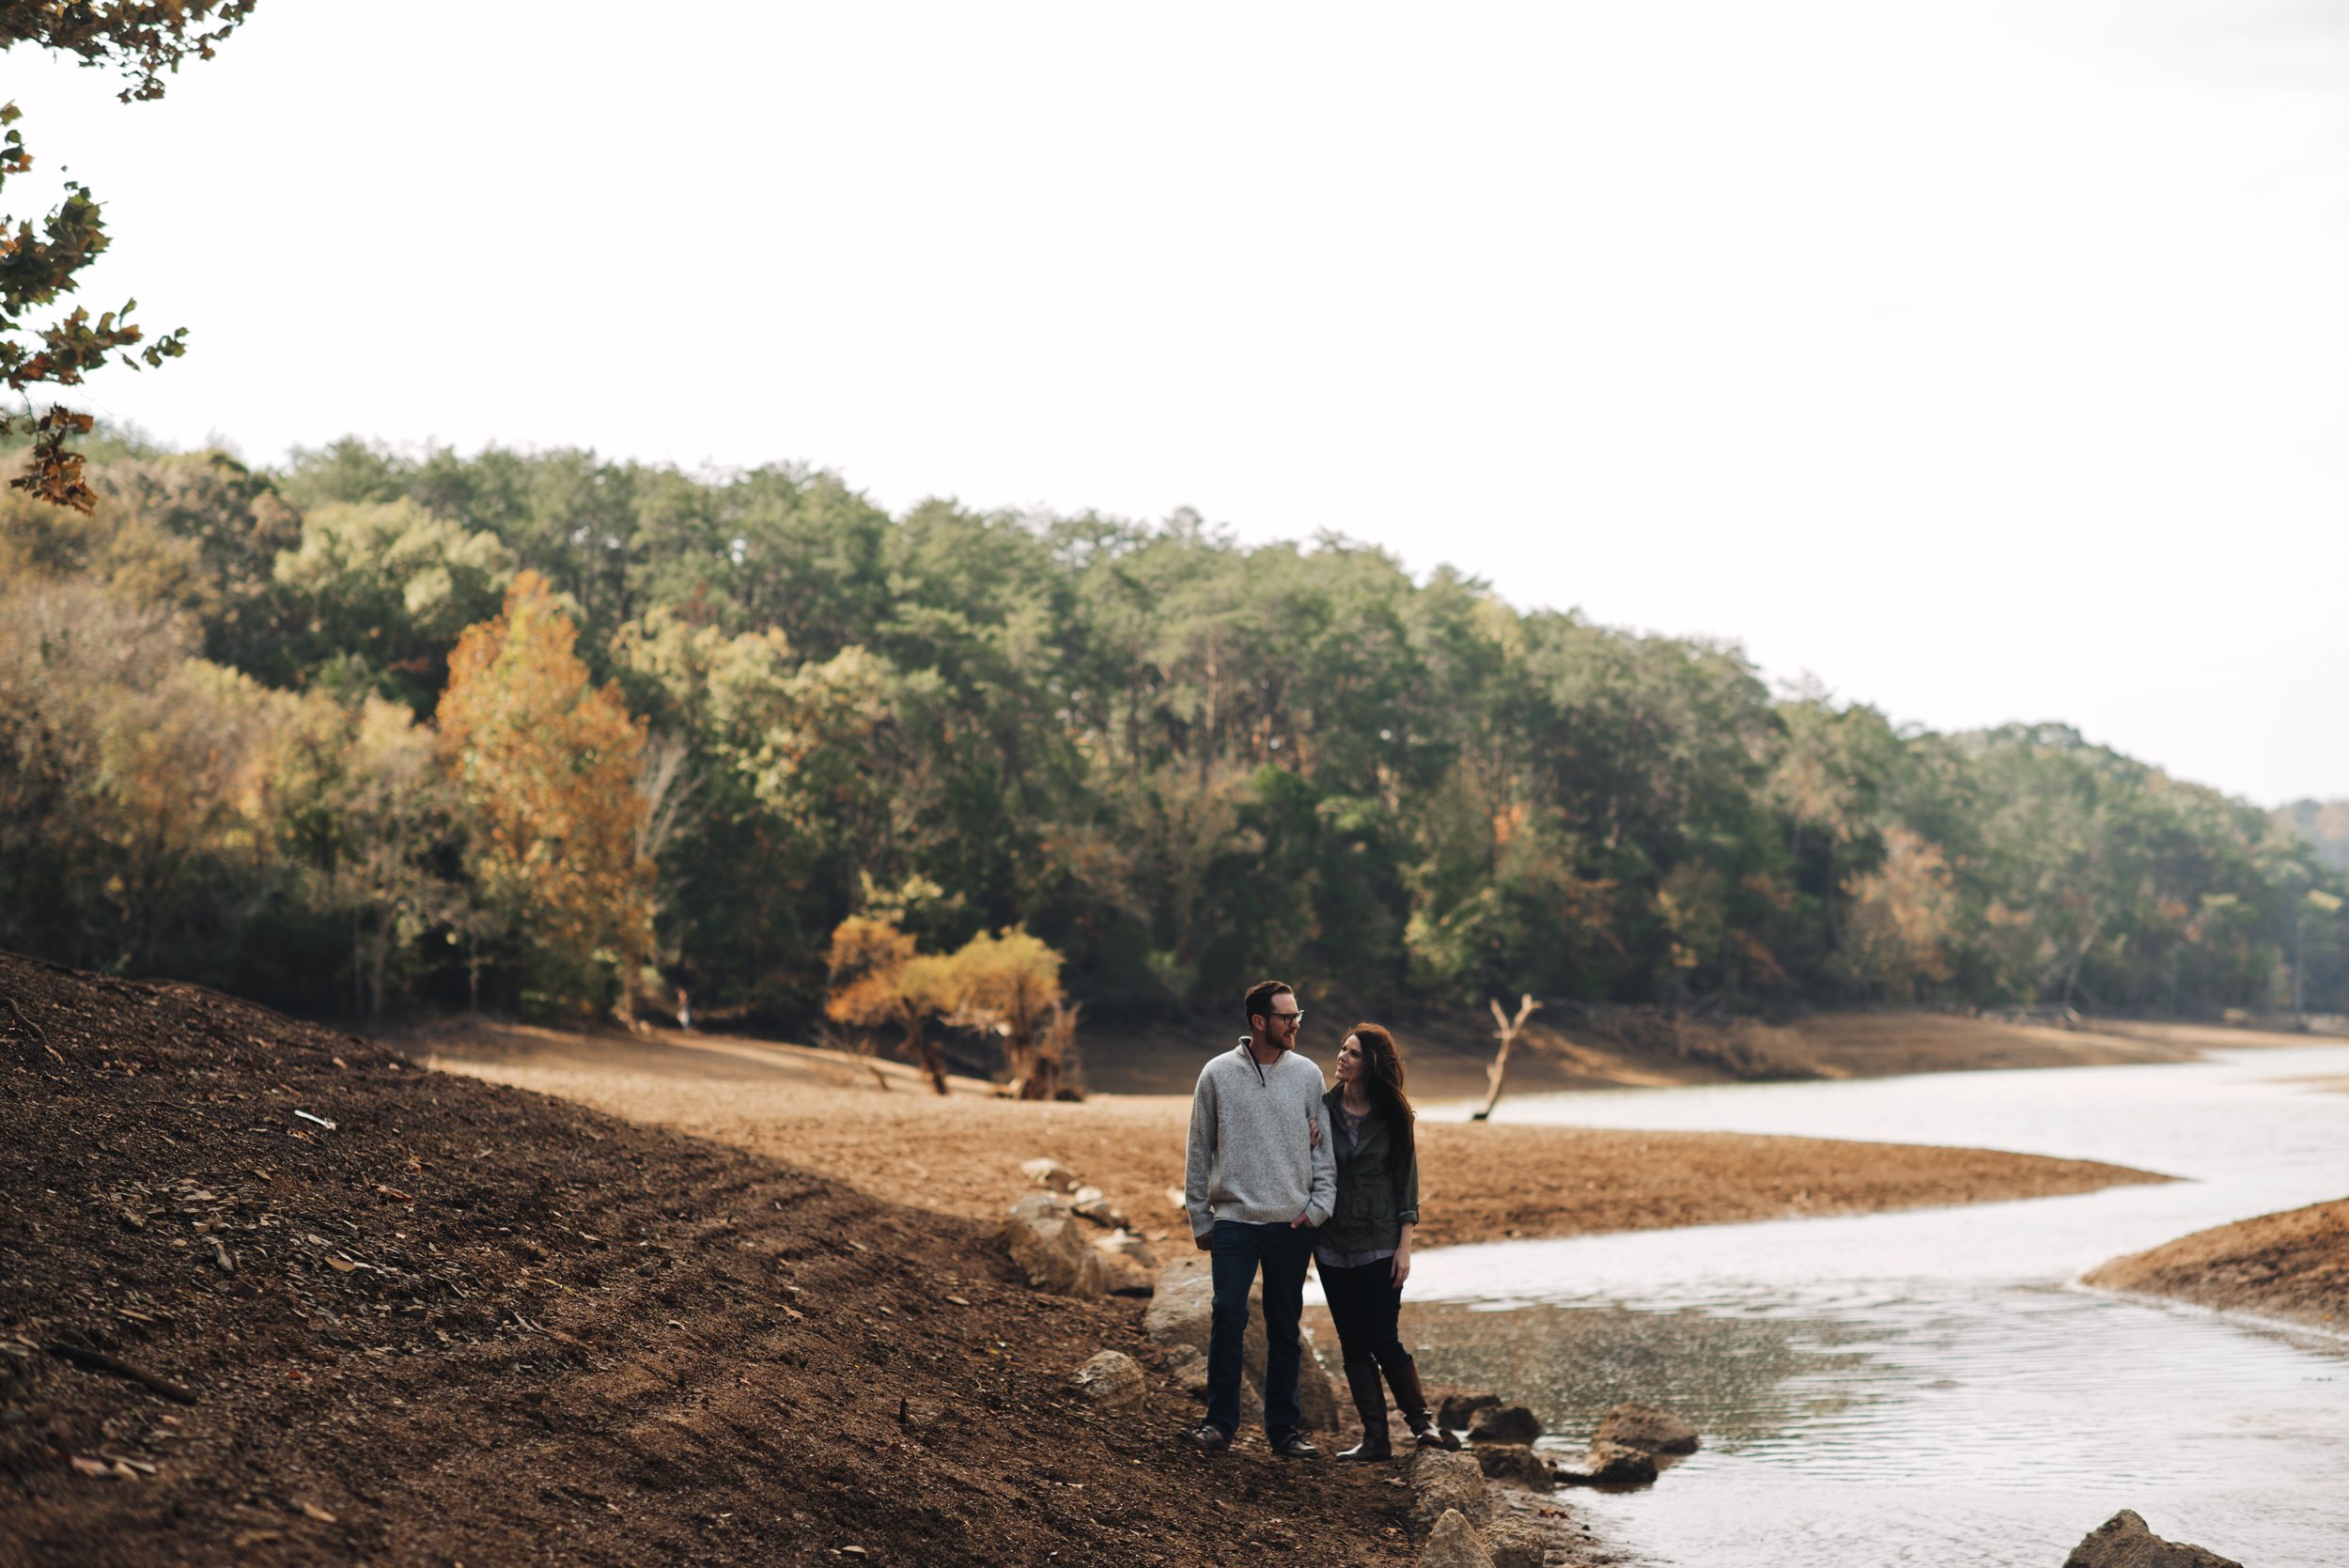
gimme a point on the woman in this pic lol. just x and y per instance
(1365, 1251)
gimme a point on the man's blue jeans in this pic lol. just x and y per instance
(1238, 1251)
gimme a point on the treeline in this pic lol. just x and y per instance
(383, 731)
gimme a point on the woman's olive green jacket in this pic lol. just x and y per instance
(1378, 1188)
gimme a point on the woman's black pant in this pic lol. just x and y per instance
(1365, 1302)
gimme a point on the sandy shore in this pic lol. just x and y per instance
(2293, 1266)
(961, 1154)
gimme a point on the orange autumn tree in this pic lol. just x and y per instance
(547, 765)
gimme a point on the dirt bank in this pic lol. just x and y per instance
(466, 1324)
(2293, 1266)
(961, 1154)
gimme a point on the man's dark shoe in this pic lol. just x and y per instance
(1209, 1437)
(1293, 1445)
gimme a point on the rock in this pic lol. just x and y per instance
(1457, 1410)
(1188, 1366)
(1611, 1465)
(1127, 1245)
(1051, 1173)
(1643, 1426)
(1517, 1543)
(1316, 1394)
(2125, 1542)
(1182, 1312)
(1090, 1202)
(1515, 1463)
(1112, 1381)
(1122, 1276)
(1503, 1423)
(1453, 1544)
(1043, 1240)
(1442, 1479)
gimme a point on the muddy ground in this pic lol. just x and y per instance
(466, 1324)
(2293, 1266)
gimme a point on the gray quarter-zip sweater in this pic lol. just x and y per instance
(1253, 1158)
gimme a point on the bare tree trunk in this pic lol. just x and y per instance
(1499, 1071)
(923, 1049)
(2072, 975)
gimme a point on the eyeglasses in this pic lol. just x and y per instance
(1295, 1017)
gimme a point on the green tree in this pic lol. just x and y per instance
(145, 39)
(376, 595)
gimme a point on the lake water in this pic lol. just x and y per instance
(1932, 1386)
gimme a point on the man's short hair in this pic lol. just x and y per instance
(1260, 994)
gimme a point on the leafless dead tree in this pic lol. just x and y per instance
(1527, 1007)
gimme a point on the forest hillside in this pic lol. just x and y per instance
(387, 731)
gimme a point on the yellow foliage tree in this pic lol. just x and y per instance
(879, 982)
(1010, 984)
(1006, 986)
(546, 763)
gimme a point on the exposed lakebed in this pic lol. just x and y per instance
(1931, 1387)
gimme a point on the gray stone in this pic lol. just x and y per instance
(1515, 1463)
(1090, 1202)
(1112, 1381)
(1611, 1465)
(1440, 1479)
(1182, 1312)
(1517, 1543)
(1188, 1366)
(1051, 1173)
(1503, 1423)
(1456, 1410)
(1042, 1237)
(1125, 1276)
(2125, 1542)
(1127, 1245)
(1316, 1394)
(1453, 1544)
(1643, 1426)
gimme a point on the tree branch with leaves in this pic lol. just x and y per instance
(42, 262)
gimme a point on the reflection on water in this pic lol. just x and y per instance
(1931, 1387)
(1753, 1378)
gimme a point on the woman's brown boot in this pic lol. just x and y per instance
(1413, 1401)
(1370, 1402)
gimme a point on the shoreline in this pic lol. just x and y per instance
(1479, 1181)
(2291, 1269)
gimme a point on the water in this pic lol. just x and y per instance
(1931, 1387)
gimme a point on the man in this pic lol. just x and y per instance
(1258, 1178)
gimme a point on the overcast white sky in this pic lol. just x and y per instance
(1990, 361)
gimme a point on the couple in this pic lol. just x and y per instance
(1281, 1172)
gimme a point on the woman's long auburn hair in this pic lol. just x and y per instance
(1384, 1082)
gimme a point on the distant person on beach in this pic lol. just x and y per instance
(684, 1009)
(1364, 1251)
(1259, 1176)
